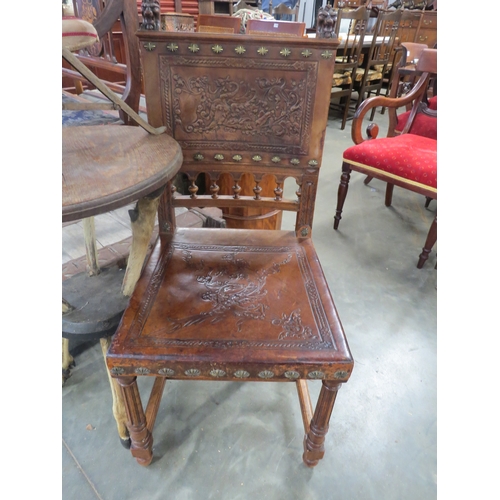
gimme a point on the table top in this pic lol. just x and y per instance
(107, 167)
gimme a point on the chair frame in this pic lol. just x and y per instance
(169, 75)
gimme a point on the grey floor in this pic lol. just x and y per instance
(228, 440)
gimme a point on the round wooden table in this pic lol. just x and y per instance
(105, 168)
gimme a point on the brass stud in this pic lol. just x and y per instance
(218, 157)
(257, 158)
(313, 163)
(117, 370)
(173, 47)
(316, 375)
(237, 157)
(285, 52)
(306, 53)
(262, 51)
(192, 372)
(142, 371)
(340, 374)
(166, 371)
(217, 49)
(266, 374)
(327, 54)
(150, 46)
(241, 374)
(294, 161)
(240, 50)
(292, 375)
(198, 157)
(275, 159)
(194, 47)
(304, 232)
(217, 373)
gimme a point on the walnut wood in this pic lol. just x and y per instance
(104, 168)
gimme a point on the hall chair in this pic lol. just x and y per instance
(406, 160)
(348, 58)
(236, 304)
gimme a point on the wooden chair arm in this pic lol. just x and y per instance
(389, 102)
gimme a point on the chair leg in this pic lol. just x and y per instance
(119, 411)
(427, 201)
(367, 180)
(429, 243)
(314, 448)
(388, 194)
(342, 193)
(141, 437)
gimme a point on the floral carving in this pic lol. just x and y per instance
(268, 107)
(231, 290)
(292, 327)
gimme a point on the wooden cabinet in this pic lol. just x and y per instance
(427, 30)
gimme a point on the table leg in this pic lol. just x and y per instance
(143, 221)
(119, 411)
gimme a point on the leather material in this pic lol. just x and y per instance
(233, 301)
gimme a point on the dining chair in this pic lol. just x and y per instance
(370, 74)
(236, 304)
(213, 23)
(348, 57)
(406, 160)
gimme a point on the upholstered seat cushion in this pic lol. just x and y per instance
(372, 75)
(77, 34)
(340, 79)
(408, 157)
(423, 124)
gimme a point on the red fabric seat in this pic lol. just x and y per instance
(423, 125)
(408, 157)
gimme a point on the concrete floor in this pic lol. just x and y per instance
(229, 440)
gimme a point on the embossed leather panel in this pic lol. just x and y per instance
(230, 295)
(238, 96)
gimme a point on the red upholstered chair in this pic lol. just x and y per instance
(406, 160)
(423, 124)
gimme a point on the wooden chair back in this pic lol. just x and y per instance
(208, 23)
(356, 20)
(238, 105)
(273, 28)
(384, 39)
